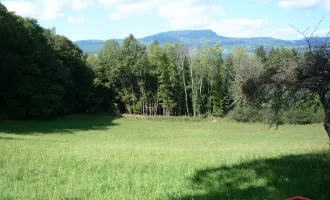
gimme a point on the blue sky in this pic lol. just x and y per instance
(107, 19)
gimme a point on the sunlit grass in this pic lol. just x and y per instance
(98, 157)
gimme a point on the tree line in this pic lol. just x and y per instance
(46, 75)
(42, 74)
(168, 80)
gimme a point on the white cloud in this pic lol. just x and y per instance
(52, 9)
(45, 9)
(299, 4)
(24, 8)
(75, 20)
(110, 3)
(181, 14)
(186, 15)
(239, 27)
(136, 7)
(286, 33)
(303, 4)
(115, 16)
(81, 4)
(322, 32)
(189, 14)
(290, 33)
(126, 8)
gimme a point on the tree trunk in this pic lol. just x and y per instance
(327, 122)
(132, 100)
(325, 100)
(209, 89)
(185, 89)
(200, 97)
(157, 105)
(194, 96)
(181, 56)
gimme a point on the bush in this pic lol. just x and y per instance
(304, 114)
(247, 114)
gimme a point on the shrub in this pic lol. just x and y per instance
(308, 112)
(304, 113)
(247, 114)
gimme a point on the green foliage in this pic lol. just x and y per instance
(42, 75)
(247, 114)
(242, 67)
(261, 53)
(305, 112)
(160, 80)
(309, 112)
(80, 77)
(274, 89)
(106, 68)
(209, 81)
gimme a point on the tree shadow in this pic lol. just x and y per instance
(65, 125)
(305, 175)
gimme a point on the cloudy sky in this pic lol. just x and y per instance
(106, 19)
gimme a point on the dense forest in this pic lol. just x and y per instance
(44, 75)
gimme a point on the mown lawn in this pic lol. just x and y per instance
(99, 157)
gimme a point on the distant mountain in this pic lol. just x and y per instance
(90, 46)
(197, 37)
(201, 37)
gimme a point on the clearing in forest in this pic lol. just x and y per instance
(99, 157)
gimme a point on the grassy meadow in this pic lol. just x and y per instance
(100, 157)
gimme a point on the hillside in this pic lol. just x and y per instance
(200, 37)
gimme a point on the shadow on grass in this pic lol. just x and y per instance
(272, 179)
(65, 125)
(10, 138)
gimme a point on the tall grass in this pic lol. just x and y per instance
(99, 157)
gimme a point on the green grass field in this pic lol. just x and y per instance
(99, 157)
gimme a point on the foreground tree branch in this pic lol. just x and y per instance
(284, 85)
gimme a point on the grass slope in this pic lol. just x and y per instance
(98, 157)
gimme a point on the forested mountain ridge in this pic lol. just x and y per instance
(201, 37)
